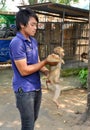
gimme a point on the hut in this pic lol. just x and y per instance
(62, 25)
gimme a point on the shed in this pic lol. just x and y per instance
(70, 30)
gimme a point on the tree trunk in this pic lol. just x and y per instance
(88, 81)
(85, 117)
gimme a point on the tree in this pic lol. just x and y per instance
(66, 2)
(3, 3)
(32, 2)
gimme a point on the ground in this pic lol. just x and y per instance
(73, 102)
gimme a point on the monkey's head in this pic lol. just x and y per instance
(60, 51)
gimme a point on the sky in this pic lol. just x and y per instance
(12, 5)
(82, 4)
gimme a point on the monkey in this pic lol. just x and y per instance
(53, 77)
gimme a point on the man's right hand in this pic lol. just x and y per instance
(53, 59)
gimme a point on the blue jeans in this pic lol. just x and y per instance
(28, 104)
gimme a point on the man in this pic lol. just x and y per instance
(26, 66)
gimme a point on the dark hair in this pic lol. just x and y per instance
(23, 16)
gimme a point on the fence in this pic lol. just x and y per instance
(73, 36)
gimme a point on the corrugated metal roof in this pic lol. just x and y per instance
(58, 9)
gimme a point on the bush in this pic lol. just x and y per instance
(83, 74)
(79, 73)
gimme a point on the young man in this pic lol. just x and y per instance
(26, 66)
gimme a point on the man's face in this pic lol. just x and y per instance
(30, 28)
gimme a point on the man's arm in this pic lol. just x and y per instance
(44, 69)
(25, 69)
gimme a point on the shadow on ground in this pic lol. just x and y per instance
(73, 103)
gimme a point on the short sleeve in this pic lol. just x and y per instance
(17, 49)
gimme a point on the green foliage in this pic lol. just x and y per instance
(31, 2)
(66, 2)
(83, 74)
(70, 72)
(80, 73)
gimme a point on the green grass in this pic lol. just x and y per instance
(70, 72)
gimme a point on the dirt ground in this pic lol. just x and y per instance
(73, 103)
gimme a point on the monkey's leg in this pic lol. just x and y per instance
(57, 93)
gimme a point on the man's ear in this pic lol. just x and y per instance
(22, 26)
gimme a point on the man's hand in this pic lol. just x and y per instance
(46, 72)
(52, 63)
(53, 59)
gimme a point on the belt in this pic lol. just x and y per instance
(20, 90)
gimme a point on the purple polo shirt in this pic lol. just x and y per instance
(21, 48)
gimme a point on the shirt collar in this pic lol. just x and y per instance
(21, 36)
